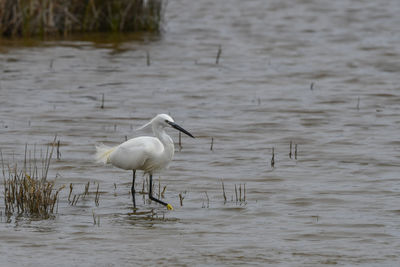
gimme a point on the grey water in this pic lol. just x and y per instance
(323, 75)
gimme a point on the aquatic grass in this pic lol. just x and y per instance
(236, 194)
(223, 192)
(86, 189)
(218, 54)
(102, 101)
(26, 190)
(97, 196)
(181, 198)
(115, 189)
(75, 200)
(51, 64)
(161, 188)
(71, 187)
(31, 196)
(143, 192)
(28, 18)
(96, 219)
(72, 201)
(240, 194)
(163, 191)
(273, 158)
(295, 150)
(58, 150)
(180, 141)
(358, 104)
(208, 201)
(148, 63)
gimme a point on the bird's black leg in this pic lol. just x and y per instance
(155, 199)
(133, 188)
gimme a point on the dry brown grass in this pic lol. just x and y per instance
(26, 189)
(31, 196)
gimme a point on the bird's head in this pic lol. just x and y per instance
(168, 121)
(164, 120)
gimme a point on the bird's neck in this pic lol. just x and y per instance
(160, 133)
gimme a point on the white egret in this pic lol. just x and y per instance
(145, 153)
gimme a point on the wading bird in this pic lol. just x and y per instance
(145, 153)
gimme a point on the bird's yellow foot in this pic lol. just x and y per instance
(169, 207)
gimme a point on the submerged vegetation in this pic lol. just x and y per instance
(28, 18)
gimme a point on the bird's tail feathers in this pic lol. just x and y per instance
(103, 153)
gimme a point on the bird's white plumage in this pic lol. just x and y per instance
(142, 153)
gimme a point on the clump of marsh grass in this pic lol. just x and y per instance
(26, 195)
(62, 17)
(27, 190)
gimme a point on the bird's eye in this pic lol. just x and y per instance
(166, 121)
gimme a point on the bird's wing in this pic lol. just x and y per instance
(133, 154)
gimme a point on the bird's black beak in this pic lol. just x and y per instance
(179, 128)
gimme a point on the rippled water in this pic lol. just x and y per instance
(322, 74)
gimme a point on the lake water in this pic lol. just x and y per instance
(323, 75)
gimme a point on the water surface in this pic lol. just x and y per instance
(322, 74)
